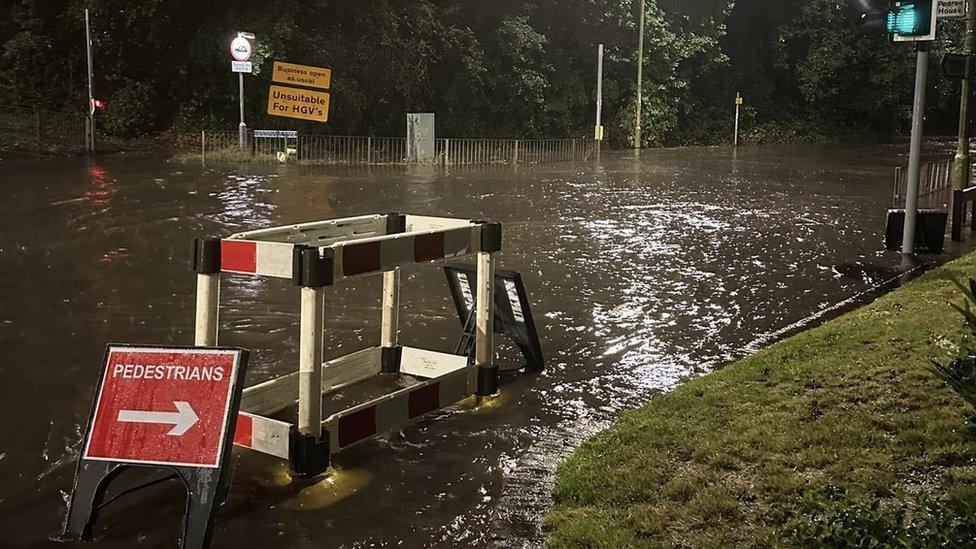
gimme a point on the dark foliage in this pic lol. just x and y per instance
(507, 68)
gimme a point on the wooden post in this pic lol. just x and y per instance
(369, 150)
(203, 144)
(485, 323)
(208, 298)
(515, 155)
(310, 362)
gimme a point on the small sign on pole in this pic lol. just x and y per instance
(276, 134)
(301, 75)
(240, 49)
(951, 9)
(240, 66)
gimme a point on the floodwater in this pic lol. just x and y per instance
(642, 272)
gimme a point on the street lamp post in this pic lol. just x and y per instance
(640, 77)
(960, 167)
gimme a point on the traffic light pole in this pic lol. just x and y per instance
(91, 96)
(960, 167)
(915, 154)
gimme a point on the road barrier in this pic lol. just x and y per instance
(26, 126)
(367, 151)
(315, 256)
(177, 410)
(935, 179)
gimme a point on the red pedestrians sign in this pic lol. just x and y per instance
(164, 406)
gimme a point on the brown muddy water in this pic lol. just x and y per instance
(641, 271)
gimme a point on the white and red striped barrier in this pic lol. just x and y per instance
(315, 256)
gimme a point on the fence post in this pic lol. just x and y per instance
(447, 151)
(369, 150)
(37, 125)
(203, 145)
(515, 154)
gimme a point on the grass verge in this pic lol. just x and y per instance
(838, 436)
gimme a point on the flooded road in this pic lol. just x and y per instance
(641, 271)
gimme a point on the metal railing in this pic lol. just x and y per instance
(935, 178)
(354, 150)
(25, 126)
(514, 151)
(358, 150)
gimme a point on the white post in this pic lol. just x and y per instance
(915, 155)
(208, 298)
(598, 132)
(310, 361)
(242, 130)
(735, 137)
(91, 94)
(391, 303)
(485, 324)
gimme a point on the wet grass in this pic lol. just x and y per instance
(839, 436)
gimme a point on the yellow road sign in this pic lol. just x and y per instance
(301, 75)
(298, 103)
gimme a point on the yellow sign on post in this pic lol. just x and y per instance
(298, 103)
(301, 75)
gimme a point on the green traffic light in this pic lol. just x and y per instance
(912, 18)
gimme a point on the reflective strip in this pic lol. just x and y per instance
(238, 256)
(393, 411)
(385, 254)
(262, 434)
(260, 258)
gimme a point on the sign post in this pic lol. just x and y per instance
(735, 136)
(598, 131)
(162, 407)
(240, 50)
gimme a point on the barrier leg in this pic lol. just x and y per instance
(484, 351)
(391, 315)
(202, 507)
(208, 297)
(310, 362)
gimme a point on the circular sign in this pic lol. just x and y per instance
(240, 49)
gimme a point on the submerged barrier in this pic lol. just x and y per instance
(366, 151)
(178, 410)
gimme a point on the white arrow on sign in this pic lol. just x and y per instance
(182, 419)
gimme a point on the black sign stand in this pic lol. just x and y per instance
(513, 314)
(206, 487)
